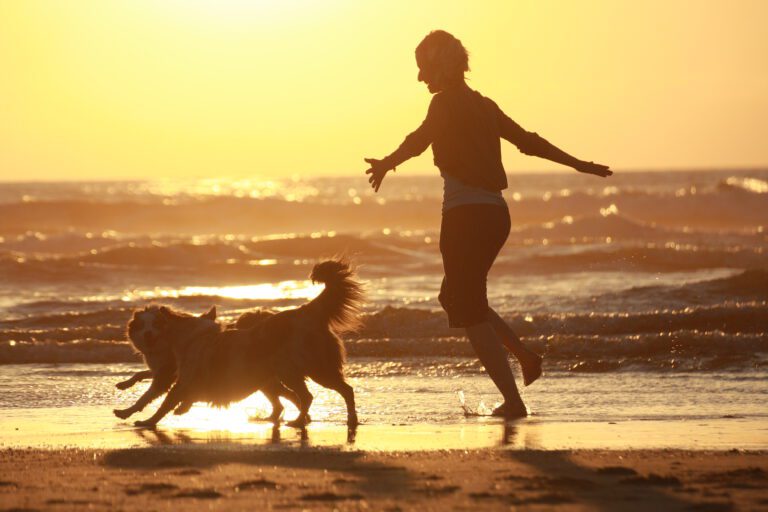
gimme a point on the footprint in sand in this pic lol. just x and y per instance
(741, 478)
(330, 496)
(150, 488)
(616, 471)
(74, 502)
(251, 485)
(9, 486)
(344, 481)
(545, 499)
(711, 507)
(438, 489)
(486, 496)
(201, 494)
(652, 480)
(188, 472)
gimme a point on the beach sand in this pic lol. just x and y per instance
(81, 458)
(235, 477)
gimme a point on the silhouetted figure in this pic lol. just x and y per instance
(464, 129)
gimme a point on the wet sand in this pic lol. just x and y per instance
(225, 476)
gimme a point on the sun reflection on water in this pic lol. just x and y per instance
(236, 418)
(292, 289)
(249, 415)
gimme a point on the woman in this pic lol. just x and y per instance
(464, 129)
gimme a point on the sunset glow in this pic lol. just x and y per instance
(264, 89)
(383, 255)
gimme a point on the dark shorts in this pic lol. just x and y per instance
(471, 237)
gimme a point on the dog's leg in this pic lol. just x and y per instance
(272, 392)
(338, 384)
(288, 394)
(297, 385)
(183, 408)
(160, 385)
(136, 377)
(348, 394)
(172, 399)
(293, 398)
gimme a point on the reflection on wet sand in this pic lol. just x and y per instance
(269, 436)
(518, 434)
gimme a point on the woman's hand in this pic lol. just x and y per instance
(593, 168)
(377, 172)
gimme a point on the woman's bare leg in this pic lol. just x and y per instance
(489, 350)
(530, 362)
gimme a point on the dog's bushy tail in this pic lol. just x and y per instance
(343, 296)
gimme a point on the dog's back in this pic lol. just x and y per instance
(233, 365)
(306, 337)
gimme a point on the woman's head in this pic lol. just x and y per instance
(442, 60)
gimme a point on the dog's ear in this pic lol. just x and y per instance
(210, 315)
(164, 317)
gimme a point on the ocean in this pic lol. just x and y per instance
(647, 292)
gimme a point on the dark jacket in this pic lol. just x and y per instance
(464, 128)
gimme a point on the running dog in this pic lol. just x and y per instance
(223, 366)
(144, 332)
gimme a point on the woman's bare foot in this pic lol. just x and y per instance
(510, 412)
(531, 367)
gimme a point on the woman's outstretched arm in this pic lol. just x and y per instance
(532, 144)
(414, 144)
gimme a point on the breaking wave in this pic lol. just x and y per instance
(684, 350)
(733, 202)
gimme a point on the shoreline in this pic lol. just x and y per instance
(235, 477)
(94, 427)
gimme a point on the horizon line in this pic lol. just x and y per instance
(411, 173)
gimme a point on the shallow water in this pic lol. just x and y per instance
(411, 392)
(416, 409)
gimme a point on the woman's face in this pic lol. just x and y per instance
(428, 76)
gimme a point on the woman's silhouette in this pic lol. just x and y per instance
(464, 129)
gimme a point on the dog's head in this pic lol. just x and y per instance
(149, 328)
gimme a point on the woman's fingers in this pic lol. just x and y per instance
(375, 181)
(376, 174)
(596, 169)
(602, 170)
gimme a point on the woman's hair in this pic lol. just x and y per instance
(444, 54)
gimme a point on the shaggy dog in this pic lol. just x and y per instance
(223, 366)
(144, 333)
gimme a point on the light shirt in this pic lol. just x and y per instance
(456, 193)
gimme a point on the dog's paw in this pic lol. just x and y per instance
(122, 413)
(261, 419)
(144, 423)
(182, 409)
(124, 384)
(298, 422)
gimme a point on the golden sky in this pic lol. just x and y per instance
(108, 89)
